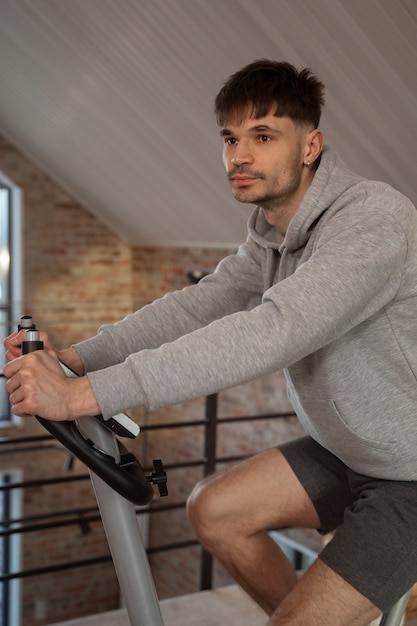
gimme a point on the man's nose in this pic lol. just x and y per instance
(241, 154)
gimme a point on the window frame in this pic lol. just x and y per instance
(11, 309)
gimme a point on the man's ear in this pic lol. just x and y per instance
(313, 145)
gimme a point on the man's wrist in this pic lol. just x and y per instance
(82, 402)
(72, 360)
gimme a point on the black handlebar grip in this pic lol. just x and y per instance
(32, 341)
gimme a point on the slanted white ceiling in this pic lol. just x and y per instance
(113, 98)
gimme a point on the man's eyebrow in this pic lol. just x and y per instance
(260, 128)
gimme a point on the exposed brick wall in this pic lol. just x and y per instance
(76, 272)
(77, 275)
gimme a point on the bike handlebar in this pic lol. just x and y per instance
(127, 476)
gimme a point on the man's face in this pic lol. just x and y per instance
(264, 160)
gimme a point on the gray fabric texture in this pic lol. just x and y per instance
(375, 545)
(332, 303)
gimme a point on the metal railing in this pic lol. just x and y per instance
(84, 516)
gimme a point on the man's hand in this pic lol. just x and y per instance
(13, 344)
(69, 357)
(38, 386)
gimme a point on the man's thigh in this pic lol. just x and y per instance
(262, 493)
(324, 477)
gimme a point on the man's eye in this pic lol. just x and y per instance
(264, 138)
(230, 141)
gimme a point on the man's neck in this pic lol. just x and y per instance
(281, 215)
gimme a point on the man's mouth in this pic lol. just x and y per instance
(243, 181)
(242, 178)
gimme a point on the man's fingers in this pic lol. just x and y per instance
(11, 368)
(12, 384)
(19, 409)
(26, 362)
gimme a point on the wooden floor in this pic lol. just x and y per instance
(228, 606)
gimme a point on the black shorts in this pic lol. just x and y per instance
(375, 546)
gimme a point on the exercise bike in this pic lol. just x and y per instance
(119, 483)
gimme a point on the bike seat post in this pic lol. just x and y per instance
(396, 613)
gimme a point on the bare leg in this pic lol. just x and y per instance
(232, 511)
(323, 598)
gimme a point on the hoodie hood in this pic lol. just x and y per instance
(319, 197)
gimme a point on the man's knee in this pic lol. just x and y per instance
(195, 503)
(203, 509)
(258, 493)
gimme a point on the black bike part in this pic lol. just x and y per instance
(32, 341)
(127, 478)
(159, 477)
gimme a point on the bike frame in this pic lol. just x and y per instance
(118, 481)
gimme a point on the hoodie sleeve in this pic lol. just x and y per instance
(235, 285)
(355, 270)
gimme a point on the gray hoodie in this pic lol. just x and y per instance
(333, 303)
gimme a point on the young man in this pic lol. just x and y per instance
(325, 287)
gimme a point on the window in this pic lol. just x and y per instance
(10, 276)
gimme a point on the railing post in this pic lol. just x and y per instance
(210, 440)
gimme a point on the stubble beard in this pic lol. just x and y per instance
(276, 193)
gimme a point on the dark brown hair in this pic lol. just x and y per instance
(271, 85)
